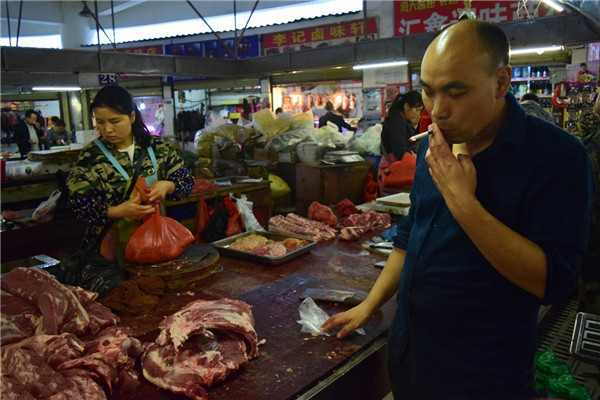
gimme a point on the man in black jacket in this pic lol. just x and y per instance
(335, 118)
(26, 134)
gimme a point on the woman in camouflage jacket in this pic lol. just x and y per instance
(97, 185)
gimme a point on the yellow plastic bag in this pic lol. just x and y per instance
(279, 187)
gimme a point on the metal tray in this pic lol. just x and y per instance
(222, 247)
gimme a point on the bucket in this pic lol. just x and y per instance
(307, 152)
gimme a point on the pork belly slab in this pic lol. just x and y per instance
(199, 345)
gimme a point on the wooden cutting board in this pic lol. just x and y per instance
(398, 199)
(289, 361)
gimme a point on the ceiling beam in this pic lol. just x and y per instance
(565, 30)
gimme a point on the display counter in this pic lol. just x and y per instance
(291, 364)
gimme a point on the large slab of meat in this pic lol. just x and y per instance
(320, 212)
(354, 225)
(301, 227)
(351, 226)
(199, 345)
(59, 343)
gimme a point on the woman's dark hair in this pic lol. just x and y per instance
(120, 100)
(58, 122)
(412, 98)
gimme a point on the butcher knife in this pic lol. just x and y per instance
(351, 297)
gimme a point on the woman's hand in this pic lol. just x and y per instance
(353, 318)
(131, 209)
(159, 191)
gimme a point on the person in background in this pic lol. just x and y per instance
(101, 174)
(482, 246)
(588, 130)
(265, 103)
(246, 111)
(58, 135)
(582, 71)
(41, 125)
(531, 103)
(278, 111)
(335, 118)
(399, 125)
(27, 133)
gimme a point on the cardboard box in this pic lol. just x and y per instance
(23, 168)
(84, 137)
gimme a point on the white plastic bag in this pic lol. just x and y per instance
(244, 206)
(312, 318)
(367, 143)
(47, 208)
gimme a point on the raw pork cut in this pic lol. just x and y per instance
(279, 224)
(56, 302)
(199, 345)
(320, 212)
(27, 371)
(90, 354)
(19, 318)
(368, 220)
(270, 250)
(325, 231)
(351, 233)
(345, 208)
(262, 246)
(198, 317)
(199, 363)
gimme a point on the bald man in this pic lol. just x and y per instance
(482, 246)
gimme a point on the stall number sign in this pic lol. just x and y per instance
(107, 79)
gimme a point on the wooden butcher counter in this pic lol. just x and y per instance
(290, 364)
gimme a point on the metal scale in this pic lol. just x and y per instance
(342, 157)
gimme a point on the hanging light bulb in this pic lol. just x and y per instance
(142, 105)
(337, 97)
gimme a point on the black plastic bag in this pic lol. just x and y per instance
(216, 228)
(89, 269)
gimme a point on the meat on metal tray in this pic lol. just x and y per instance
(223, 247)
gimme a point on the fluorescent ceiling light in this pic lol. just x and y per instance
(553, 4)
(538, 50)
(381, 64)
(56, 88)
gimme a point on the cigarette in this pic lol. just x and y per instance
(420, 135)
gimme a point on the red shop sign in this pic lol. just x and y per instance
(320, 33)
(420, 16)
(157, 49)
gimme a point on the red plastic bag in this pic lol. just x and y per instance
(401, 174)
(371, 188)
(234, 223)
(203, 218)
(157, 240)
